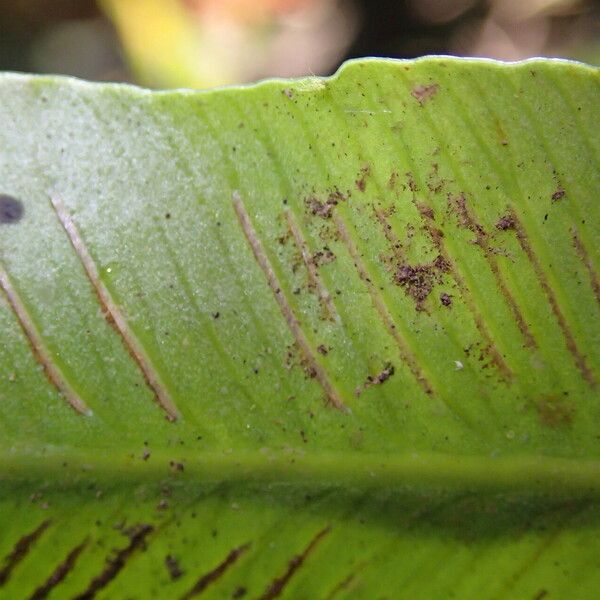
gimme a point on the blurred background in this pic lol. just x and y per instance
(204, 43)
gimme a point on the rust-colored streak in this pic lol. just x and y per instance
(59, 573)
(286, 310)
(38, 349)
(114, 315)
(216, 573)
(517, 314)
(313, 275)
(348, 583)
(277, 586)
(20, 551)
(578, 357)
(381, 309)
(587, 261)
(467, 220)
(115, 564)
(490, 348)
(341, 586)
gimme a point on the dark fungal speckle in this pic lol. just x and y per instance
(11, 209)
(378, 379)
(505, 222)
(172, 566)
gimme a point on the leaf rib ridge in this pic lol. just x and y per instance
(586, 259)
(114, 315)
(38, 348)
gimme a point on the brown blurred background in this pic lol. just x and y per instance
(203, 43)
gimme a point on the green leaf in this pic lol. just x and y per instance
(325, 338)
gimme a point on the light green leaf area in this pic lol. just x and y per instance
(325, 338)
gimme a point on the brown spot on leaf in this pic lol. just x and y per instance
(361, 182)
(412, 184)
(378, 379)
(324, 208)
(173, 567)
(423, 93)
(425, 211)
(505, 222)
(558, 194)
(296, 358)
(322, 257)
(418, 281)
(446, 299)
(554, 411)
(458, 205)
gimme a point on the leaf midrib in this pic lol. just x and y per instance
(519, 473)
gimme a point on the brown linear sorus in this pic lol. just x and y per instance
(570, 341)
(114, 315)
(38, 348)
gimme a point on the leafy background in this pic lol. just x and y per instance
(199, 43)
(372, 302)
